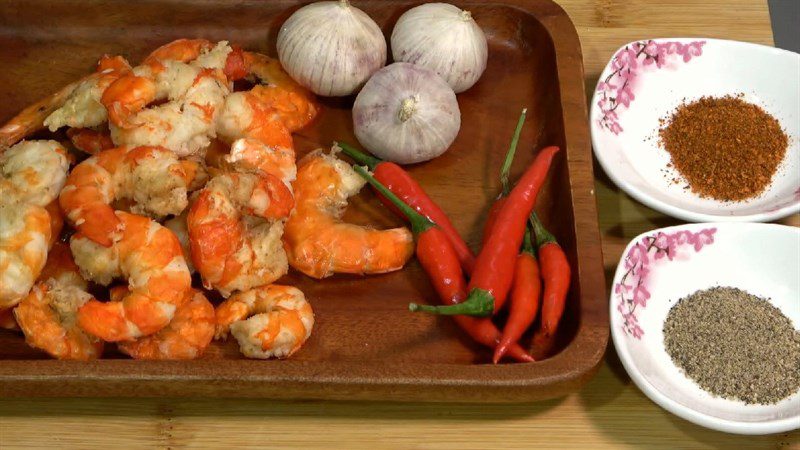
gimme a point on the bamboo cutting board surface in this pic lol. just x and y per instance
(609, 412)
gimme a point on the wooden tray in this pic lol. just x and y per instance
(366, 345)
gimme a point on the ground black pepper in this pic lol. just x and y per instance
(734, 345)
(725, 148)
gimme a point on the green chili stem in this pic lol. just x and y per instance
(542, 235)
(512, 149)
(527, 245)
(419, 223)
(479, 303)
(360, 157)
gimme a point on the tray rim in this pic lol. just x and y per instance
(444, 382)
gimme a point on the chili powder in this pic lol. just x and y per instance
(726, 149)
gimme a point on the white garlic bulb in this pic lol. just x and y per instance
(442, 38)
(331, 47)
(406, 114)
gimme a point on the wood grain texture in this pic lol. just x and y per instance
(609, 412)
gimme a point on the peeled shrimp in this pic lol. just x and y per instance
(150, 257)
(247, 116)
(32, 118)
(318, 243)
(293, 104)
(235, 233)
(33, 172)
(152, 177)
(252, 155)
(194, 90)
(269, 321)
(82, 108)
(186, 337)
(269, 112)
(47, 316)
(31, 175)
(25, 236)
(186, 50)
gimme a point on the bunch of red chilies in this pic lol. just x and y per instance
(506, 265)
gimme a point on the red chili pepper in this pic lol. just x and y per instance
(556, 276)
(524, 298)
(494, 267)
(399, 182)
(440, 261)
(491, 217)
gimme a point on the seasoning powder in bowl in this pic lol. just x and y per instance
(725, 148)
(734, 345)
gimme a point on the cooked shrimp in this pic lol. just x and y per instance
(234, 232)
(33, 172)
(269, 321)
(82, 108)
(24, 238)
(183, 50)
(293, 103)
(150, 257)
(186, 337)
(318, 243)
(31, 175)
(90, 141)
(252, 155)
(151, 176)
(32, 118)
(47, 316)
(246, 116)
(194, 91)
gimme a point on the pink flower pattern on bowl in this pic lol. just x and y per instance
(617, 88)
(632, 289)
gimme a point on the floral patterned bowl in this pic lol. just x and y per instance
(646, 80)
(662, 266)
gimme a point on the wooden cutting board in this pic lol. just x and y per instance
(609, 412)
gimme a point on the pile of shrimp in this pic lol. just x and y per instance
(168, 173)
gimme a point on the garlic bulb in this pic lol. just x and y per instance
(406, 114)
(331, 47)
(442, 38)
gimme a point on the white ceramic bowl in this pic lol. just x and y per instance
(662, 266)
(625, 130)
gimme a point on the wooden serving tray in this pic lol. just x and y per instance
(365, 345)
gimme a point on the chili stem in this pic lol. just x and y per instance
(419, 223)
(480, 303)
(512, 149)
(542, 235)
(359, 157)
(527, 245)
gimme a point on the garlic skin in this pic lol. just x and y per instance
(331, 47)
(406, 114)
(442, 38)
